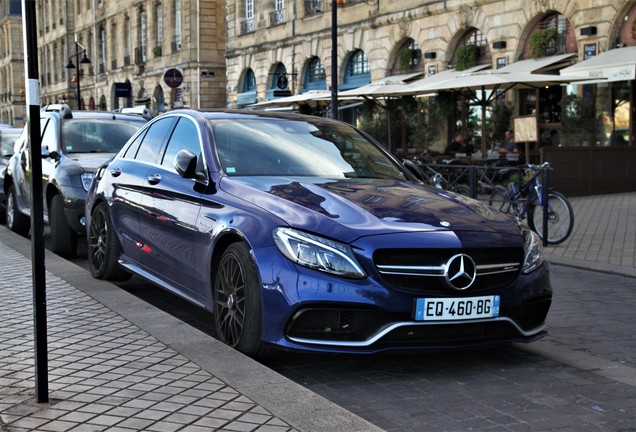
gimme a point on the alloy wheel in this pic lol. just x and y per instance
(229, 303)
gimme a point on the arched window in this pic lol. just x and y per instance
(279, 82)
(559, 24)
(552, 35)
(474, 37)
(314, 75)
(249, 83)
(408, 58)
(248, 94)
(357, 71)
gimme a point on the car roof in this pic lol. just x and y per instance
(217, 114)
(63, 111)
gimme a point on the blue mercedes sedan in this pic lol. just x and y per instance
(303, 233)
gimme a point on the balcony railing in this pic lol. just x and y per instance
(247, 26)
(313, 7)
(175, 46)
(276, 17)
(140, 55)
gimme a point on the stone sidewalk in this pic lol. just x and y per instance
(135, 369)
(604, 235)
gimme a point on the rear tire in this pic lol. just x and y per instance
(560, 218)
(16, 221)
(63, 237)
(237, 302)
(103, 249)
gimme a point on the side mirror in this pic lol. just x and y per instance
(186, 164)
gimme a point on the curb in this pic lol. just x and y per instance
(591, 266)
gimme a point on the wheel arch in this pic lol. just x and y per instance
(51, 191)
(8, 181)
(223, 242)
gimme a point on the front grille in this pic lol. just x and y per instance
(421, 271)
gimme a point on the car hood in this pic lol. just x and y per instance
(350, 208)
(89, 162)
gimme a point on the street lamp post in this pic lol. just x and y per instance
(79, 48)
(334, 59)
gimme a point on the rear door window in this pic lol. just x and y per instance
(151, 147)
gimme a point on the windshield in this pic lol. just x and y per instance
(96, 136)
(275, 147)
(7, 141)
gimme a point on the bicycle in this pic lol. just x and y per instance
(525, 200)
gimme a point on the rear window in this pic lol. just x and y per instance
(96, 136)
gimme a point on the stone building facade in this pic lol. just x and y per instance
(12, 90)
(290, 36)
(141, 52)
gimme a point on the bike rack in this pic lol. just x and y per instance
(456, 174)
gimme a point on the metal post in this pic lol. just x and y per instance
(472, 181)
(77, 64)
(334, 59)
(37, 213)
(544, 203)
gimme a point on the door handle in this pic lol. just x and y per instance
(154, 179)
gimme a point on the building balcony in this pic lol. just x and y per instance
(247, 26)
(313, 7)
(276, 17)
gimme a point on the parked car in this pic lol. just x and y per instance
(8, 138)
(303, 233)
(74, 144)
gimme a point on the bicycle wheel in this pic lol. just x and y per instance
(560, 218)
(462, 190)
(500, 201)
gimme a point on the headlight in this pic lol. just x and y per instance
(87, 178)
(533, 256)
(317, 253)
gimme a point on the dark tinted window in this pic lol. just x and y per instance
(184, 137)
(150, 149)
(96, 135)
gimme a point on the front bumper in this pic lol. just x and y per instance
(311, 311)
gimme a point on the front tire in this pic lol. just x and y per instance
(16, 221)
(237, 301)
(103, 249)
(63, 237)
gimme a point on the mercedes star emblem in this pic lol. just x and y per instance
(460, 272)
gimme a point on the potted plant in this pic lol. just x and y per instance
(542, 41)
(157, 51)
(466, 57)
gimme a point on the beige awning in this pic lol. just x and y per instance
(312, 97)
(539, 65)
(614, 65)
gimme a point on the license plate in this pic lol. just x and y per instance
(450, 309)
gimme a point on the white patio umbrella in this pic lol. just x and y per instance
(312, 98)
(468, 84)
